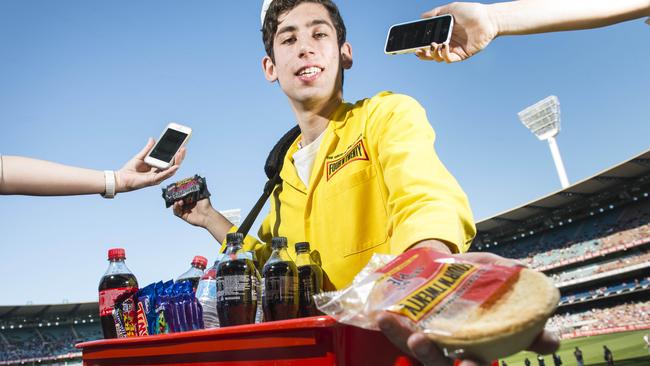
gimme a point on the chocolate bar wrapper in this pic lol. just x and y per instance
(117, 320)
(189, 190)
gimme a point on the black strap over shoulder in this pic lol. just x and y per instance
(272, 168)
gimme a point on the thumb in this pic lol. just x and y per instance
(435, 11)
(145, 149)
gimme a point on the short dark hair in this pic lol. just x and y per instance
(278, 7)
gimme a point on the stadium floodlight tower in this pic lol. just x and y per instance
(543, 119)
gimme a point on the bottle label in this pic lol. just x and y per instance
(307, 289)
(280, 288)
(107, 298)
(206, 289)
(233, 288)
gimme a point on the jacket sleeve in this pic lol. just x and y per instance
(424, 200)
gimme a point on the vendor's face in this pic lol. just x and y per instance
(308, 61)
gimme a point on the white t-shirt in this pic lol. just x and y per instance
(304, 158)
(1, 170)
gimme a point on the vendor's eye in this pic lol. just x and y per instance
(289, 40)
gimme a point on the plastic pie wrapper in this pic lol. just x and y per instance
(471, 310)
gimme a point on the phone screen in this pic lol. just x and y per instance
(166, 148)
(418, 34)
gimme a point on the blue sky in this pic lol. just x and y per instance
(86, 83)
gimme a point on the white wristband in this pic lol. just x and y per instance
(109, 192)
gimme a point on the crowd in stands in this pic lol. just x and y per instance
(630, 314)
(571, 239)
(634, 258)
(32, 343)
(605, 291)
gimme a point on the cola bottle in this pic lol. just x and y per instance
(117, 282)
(236, 284)
(195, 272)
(280, 281)
(310, 280)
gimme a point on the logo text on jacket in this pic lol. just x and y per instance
(355, 152)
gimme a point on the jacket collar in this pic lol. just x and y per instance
(331, 138)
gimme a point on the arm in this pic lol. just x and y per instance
(424, 201)
(427, 208)
(476, 25)
(202, 214)
(21, 175)
(540, 16)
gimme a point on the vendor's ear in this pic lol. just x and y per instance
(346, 56)
(269, 69)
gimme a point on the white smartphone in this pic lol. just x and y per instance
(171, 140)
(412, 36)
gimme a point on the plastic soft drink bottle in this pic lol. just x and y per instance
(117, 282)
(310, 280)
(195, 272)
(280, 279)
(236, 285)
(259, 314)
(206, 294)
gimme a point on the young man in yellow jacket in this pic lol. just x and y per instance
(361, 178)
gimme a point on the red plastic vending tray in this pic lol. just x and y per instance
(306, 341)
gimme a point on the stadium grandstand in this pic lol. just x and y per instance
(46, 334)
(593, 239)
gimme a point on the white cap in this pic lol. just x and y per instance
(265, 7)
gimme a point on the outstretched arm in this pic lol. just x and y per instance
(476, 25)
(27, 176)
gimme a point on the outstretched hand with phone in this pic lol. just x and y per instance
(473, 30)
(136, 174)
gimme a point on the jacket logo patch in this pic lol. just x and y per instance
(356, 152)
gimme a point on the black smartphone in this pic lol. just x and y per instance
(411, 36)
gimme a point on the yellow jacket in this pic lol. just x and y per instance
(377, 186)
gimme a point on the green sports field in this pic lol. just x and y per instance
(628, 349)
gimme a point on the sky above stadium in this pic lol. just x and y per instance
(86, 83)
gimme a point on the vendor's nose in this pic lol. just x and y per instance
(306, 48)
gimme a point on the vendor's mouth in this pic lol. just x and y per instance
(309, 73)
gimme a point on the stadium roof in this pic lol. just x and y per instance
(624, 172)
(45, 311)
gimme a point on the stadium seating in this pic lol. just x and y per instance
(50, 341)
(630, 314)
(602, 292)
(610, 228)
(585, 272)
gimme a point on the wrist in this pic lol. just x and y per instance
(495, 13)
(209, 219)
(119, 186)
(437, 245)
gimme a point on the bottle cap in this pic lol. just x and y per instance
(234, 238)
(116, 253)
(302, 246)
(200, 261)
(279, 242)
